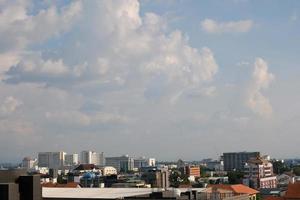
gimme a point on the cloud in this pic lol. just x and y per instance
(18, 28)
(33, 68)
(212, 26)
(261, 80)
(75, 118)
(9, 105)
(106, 68)
(123, 48)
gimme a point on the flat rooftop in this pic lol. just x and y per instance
(103, 193)
(95, 193)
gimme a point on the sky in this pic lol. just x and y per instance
(165, 79)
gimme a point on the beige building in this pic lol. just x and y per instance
(108, 170)
(259, 174)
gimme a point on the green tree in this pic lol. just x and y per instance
(203, 171)
(280, 167)
(296, 170)
(235, 177)
(175, 178)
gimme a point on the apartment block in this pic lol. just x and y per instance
(53, 160)
(236, 160)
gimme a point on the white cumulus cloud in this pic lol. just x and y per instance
(9, 105)
(123, 46)
(261, 79)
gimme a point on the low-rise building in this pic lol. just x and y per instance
(221, 192)
(108, 170)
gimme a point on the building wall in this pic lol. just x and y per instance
(16, 185)
(28, 163)
(259, 174)
(236, 160)
(71, 159)
(53, 160)
(193, 171)
(109, 171)
(122, 164)
(140, 162)
(9, 191)
(92, 157)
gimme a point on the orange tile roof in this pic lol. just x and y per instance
(237, 189)
(293, 191)
(243, 189)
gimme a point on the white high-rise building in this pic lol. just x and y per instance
(71, 159)
(151, 162)
(28, 163)
(91, 157)
(101, 159)
(52, 160)
(86, 157)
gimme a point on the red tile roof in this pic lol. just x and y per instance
(293, 191)
(68, 185)
(273, 198)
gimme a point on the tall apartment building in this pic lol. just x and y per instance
(52, 160)
(101, 159)
(236, 160)
(28, 163)
(151, 162)
(259, 174)
(140, 162)
(122, 163)
(91, 157)
(71, 159)
(88, 157)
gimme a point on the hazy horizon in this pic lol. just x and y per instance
(164, 79)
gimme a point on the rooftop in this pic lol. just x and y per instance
(103, 193)
(293, 191)
(237, 189)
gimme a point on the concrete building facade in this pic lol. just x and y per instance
(259, 174)
(28, 163)
(71, 159)
(192, 171)
(236, 160)
(122, 163)
(54, 160)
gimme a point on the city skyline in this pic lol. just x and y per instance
(166, 79)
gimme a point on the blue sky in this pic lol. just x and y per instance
(166, 79)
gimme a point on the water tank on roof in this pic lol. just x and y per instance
(88, 175)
